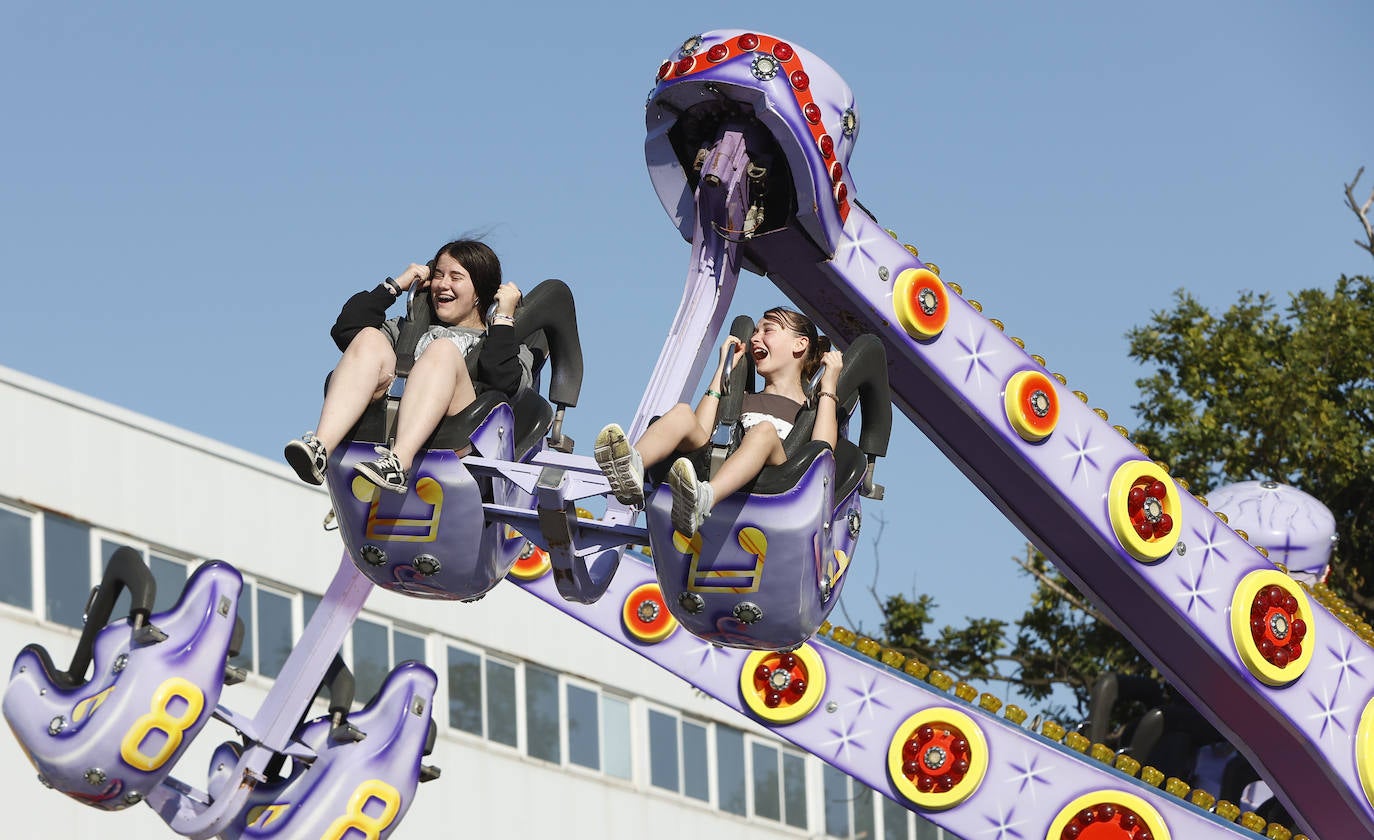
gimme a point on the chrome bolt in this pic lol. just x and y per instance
(56, 725)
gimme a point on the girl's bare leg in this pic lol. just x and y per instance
(676, 431)
(761, 447)
(438, 387)
(362, 376)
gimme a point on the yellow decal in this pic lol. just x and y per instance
(354, 818)
(406, 530)
(269, 813)
(159, 719)
(87, 707)
(751, 539)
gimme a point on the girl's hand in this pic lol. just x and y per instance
(832, 361)
(731, 341)
(507, 298)
(416, 273)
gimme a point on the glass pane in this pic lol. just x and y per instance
(465, 691)
(836, 784)
(696, 779)
(584, 736)
(767, 790)
(245, 614)
(309, 603)
(274, 631)
(120, 611)
(894, 820)
(541, 714)
(794, 789)
(407, 646)
(171, 579)
(663, 750)
(863, 811)
(927, 830)
(501, 708)
(730, 795)
(16, 558)
(371, 657)
(66, 569)
(615, 737)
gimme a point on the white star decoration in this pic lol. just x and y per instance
(845, 738)
(1004, 825)
(1081, 453)
(1345, 662)
(855, 249)
(1193, 593)
(975, 356)
(1028, 774)
(868, 698)
(1329, 713)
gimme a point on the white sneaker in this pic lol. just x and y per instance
(692, 499)
(621, 464)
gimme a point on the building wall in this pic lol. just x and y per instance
(80, 477)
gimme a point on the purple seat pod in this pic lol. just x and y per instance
(435, 541)
(109, 738)
(353, 775)
(767, 566)
(1297, 530)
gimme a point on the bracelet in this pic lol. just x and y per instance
(820, 394)
(711, 393)
(509, 319)
(393, 286)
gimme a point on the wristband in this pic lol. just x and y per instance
(711, 393)
(820, 394)
(509, 319)
(393, 287)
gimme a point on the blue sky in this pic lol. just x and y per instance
(191, 191)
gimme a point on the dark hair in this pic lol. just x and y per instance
(482, 266)
(817, 344)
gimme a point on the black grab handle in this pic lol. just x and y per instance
(549, 308)
(865, 374)
(125, 572)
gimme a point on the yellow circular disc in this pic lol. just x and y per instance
(1161, 510)
(532, 564)
(936, 758)
(1032, 405)
(1265, 669)
(782, 679)
(1364, 751)
(921, 303)
(1116, 800)
(646, 616)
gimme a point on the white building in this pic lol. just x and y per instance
(661, 760)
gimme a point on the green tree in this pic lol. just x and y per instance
(1257, 391)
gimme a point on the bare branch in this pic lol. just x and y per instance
(1361, 211)
(1049, 583)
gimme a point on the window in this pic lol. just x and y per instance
(171, 579)
(696, 778)
(927, 830)
(663, 751)
(501, 706)
(836, 789)
(794, 789)
(541, 714)
(371, 656)
(274, 630)
(245, 659)
(66, 569)
(864, 824)
(730, 791)
(16, 558)
(677, 755)
(767, 787)
(465, 690)
(615, 737)
(894, 820)
(584, 727)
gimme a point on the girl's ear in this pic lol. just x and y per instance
(800, 344)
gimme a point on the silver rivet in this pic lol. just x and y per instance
(95, 777)
(133, 797)
(883, 273)
(426, 564)
(121, 662)
(1181, 550)
(223, 606)
(373, 556)
(56, 725)
(832, 707)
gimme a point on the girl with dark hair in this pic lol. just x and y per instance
(464, 281)
(786, 351)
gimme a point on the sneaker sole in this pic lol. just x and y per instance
(300, 459)
(682, 479)
(365, 470)
(612, 454)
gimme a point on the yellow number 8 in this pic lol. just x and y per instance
(160, 720)
(354, 818)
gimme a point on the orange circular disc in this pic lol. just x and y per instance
(532, 564)
(1144, 508)
(1032, 405)
(1108, 815)
(1269, 626)
(921, 303)
(937, 758)
(782, 687)
(646, 616)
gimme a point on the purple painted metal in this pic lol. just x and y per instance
(191, 812)
(841, 269)
(326, 795)
(109, 741)
(1296, 529)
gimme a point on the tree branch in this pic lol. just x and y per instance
(1361, 211)
(1049, 583)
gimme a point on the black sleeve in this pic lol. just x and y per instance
(498, 365)
(365, 309)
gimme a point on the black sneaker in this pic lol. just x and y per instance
(384, 471)
(308, 458)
